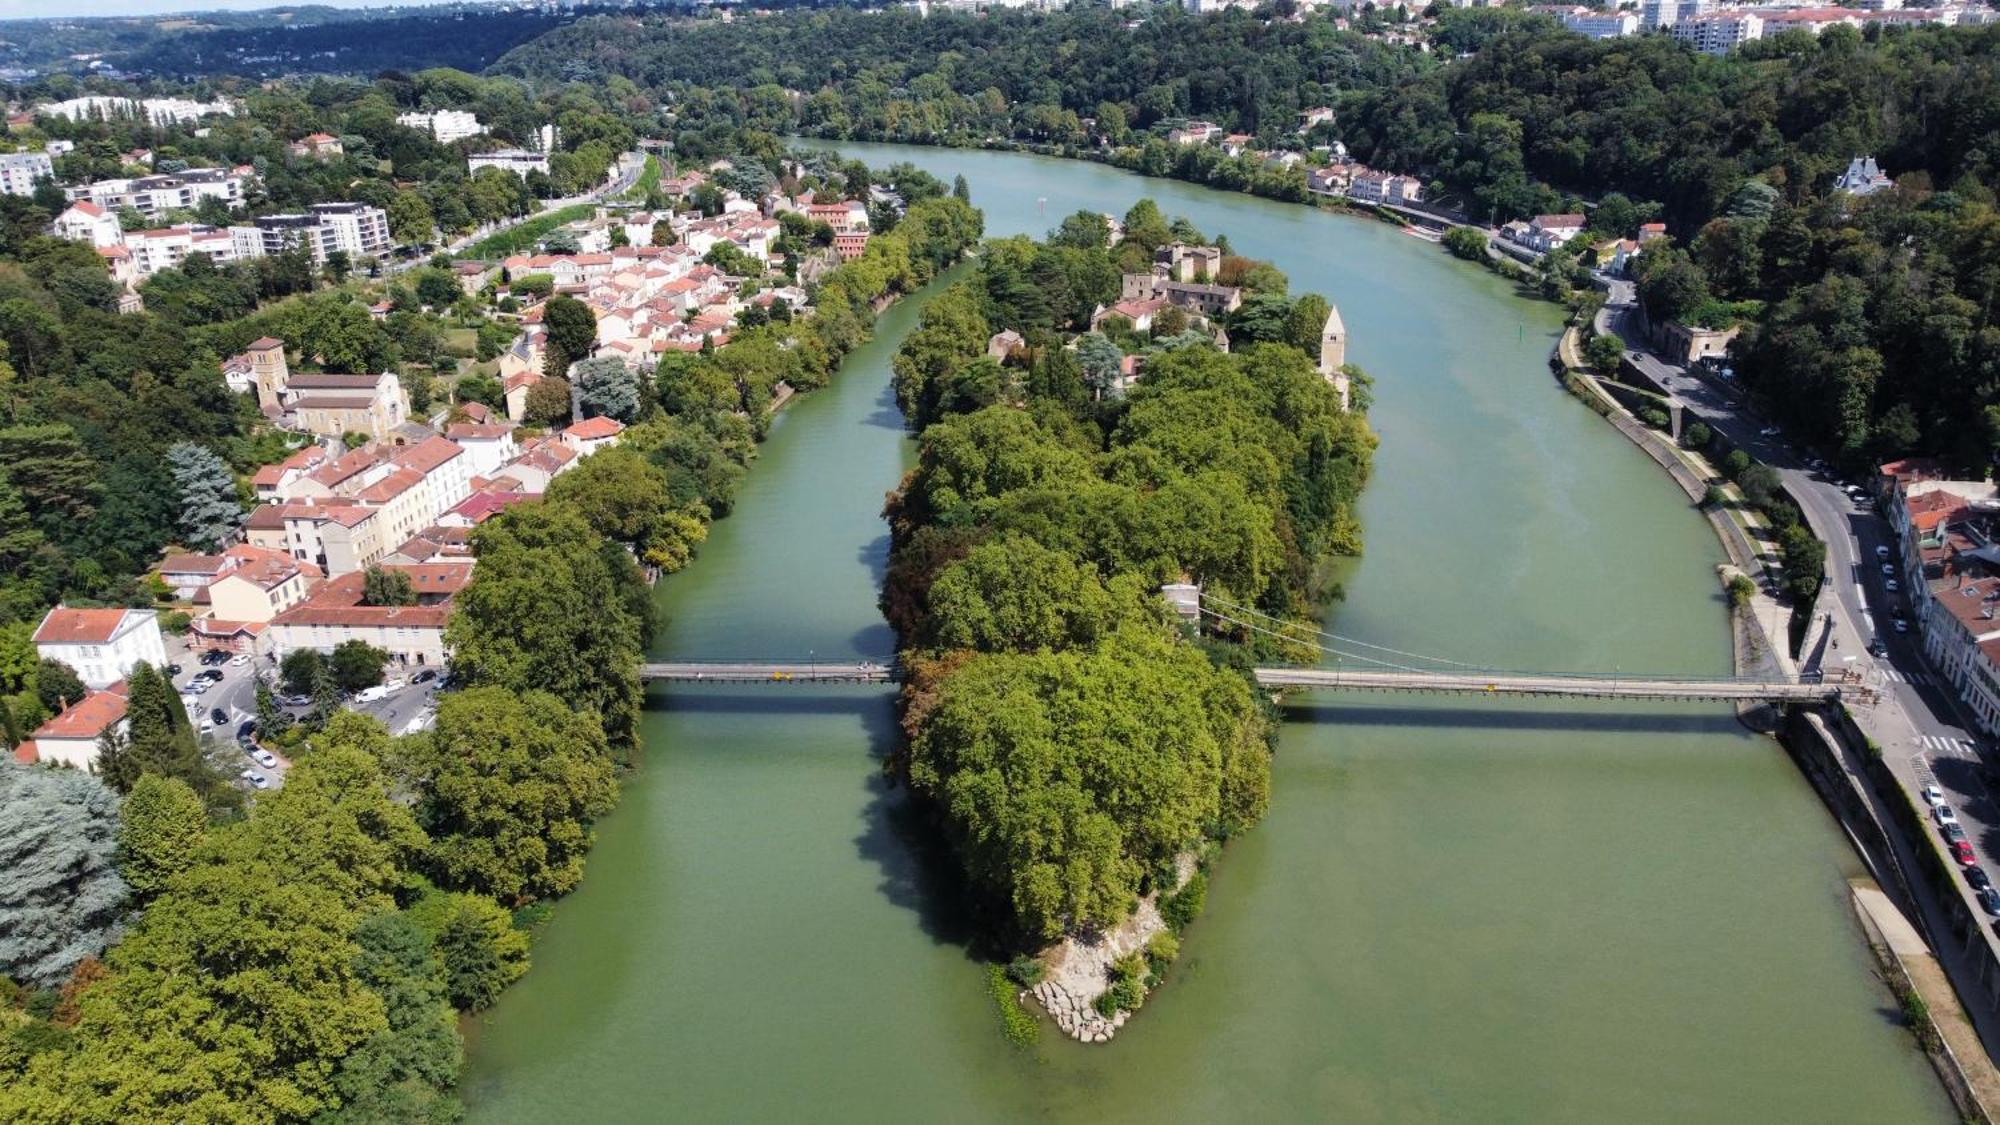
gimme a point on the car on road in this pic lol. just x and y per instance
(1901, 625)
(173, 669)
(1878, 647)
(264, 758)
(207, 725)
(218, 716)
(1961, 850)
(1952, 833)
(1944, 815)
(1891, 585)
(1978, 877)
(1769, 431)
(1889, 569)
(1932, 795)
(423, 677)
(212, 676)
(1881, 552)
(239, 660)
(197, 687)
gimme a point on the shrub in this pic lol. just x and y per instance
(1713, 498)
(1181, 907)
(1025, 971)
(1696, 436)
(1021, 1028)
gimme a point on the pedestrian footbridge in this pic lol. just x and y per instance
(1332, 679)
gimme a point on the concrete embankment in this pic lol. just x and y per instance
(1939, 1023)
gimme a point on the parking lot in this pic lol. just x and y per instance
(221, 698)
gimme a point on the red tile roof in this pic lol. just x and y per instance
(87, 718)
(65, 626)
(595, 429)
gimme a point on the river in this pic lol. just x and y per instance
(1495, 911)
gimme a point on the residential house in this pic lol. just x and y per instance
(101, 646)
(1863, 177)
(518, 161)
(592, 434)
(85, 221)
(317, 146)
(73, 738)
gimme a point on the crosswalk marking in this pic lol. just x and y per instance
(1960, 747)
(1917, 678)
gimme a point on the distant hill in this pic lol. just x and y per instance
(308, 39)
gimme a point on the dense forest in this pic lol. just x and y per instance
(1864, 321)
(1076, 744)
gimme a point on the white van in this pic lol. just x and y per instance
(370, 695)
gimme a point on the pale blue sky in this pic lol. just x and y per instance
(43, 9)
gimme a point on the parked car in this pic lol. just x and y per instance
(173, 669)
(1902, 626)
(211, 659)
(1889, 569)
(260, 781)
(247, 731)
(1770, 431)
(1989, 901)
(1952, 833)
(1881, 552)
(1978, 877)
(218, 715)
(207, 725)
(1932, 795)
(423, 677)
(1944, 815)
(264, 758)
(1891, 585)
(239, 660)
(1878, 647)
(197, 687)
(1961, 851)
(212, 676)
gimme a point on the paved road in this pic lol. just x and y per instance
(1918, 722)
(625, 173)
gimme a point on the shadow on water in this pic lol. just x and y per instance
(865, 700)
(1392, 715)
(887, 415)
(874, 555)
(915, 861)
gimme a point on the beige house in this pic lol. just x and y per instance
(70, 739)
(411, 635)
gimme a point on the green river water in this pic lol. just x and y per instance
(1493, 911)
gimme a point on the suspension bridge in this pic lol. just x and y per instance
(1337, 663)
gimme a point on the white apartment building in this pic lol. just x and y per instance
(101, 645)
(444, 125)
(1593, 23)
(1718, 33)
(515, 160)
(152, 196)
(20, 170)
(1654, 14)
(166, 248)
(159, 111)
(357, 229)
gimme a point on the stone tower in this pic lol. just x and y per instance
(1333, 352)
(268, 370)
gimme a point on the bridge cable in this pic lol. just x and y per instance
(1206, 597)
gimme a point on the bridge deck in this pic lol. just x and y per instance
(751, 671)
(1581, 687)
(1452, 683)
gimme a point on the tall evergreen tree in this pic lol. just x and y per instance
(210, 512)
(61, 898)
